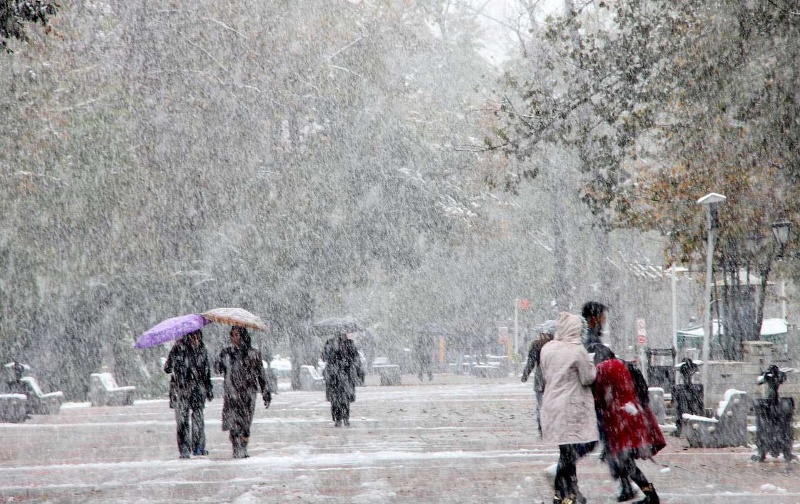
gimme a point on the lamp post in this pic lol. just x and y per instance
(780, 229)
(709, 200)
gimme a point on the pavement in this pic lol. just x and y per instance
(456, 439)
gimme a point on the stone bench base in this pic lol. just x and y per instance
(482, 371)
(12, 408)
(389, 374)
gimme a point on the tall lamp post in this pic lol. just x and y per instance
(709, 200)
(780, 229)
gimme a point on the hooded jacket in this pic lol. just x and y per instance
(568, 415)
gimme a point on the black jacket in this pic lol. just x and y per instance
(191, 375)
(343, 369)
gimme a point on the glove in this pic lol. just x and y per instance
(267, 400)
(524, 378)
(210, 396)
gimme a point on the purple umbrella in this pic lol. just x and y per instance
(170, 329)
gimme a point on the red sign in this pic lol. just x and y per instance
(642, 339)
(503, 335)
(524, 304)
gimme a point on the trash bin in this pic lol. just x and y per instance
(661, 368)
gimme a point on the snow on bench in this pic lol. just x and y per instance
(728, 427)
(310, 379)
(39, 402)
(104, 391)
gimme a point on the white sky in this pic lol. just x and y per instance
(499, 15)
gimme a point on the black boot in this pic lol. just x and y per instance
(650, 495)
(576, 495)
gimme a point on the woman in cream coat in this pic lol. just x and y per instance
(568, 417)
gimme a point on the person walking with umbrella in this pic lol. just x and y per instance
(240, 364)
(189, 388)
(342, 373)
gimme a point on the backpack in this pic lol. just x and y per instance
(639, 383)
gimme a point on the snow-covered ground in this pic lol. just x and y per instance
(454, 440)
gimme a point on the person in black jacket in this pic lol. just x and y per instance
(189, 388)
(546, 332)
(342, 373)
(594, 313)
(241, 366)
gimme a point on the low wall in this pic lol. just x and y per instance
(756, 357)
(724, 375)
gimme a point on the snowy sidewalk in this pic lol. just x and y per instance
(454, 440)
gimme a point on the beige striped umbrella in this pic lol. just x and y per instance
(236, 317)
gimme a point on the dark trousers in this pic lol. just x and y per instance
(624, 465)
(566, 473)
(340, 410)
(190, 439)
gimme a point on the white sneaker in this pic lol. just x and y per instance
(549, 476)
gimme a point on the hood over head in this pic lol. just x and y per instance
(569, 328)
(547, 327)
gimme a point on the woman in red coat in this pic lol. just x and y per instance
(631, 429)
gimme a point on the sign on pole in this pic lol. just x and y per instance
(641, 332)
(503, 335)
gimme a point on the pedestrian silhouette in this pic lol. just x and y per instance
(189, 387)
(342, 373)
(241, 366)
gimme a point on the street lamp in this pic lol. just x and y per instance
(780, 229)
(709, 200)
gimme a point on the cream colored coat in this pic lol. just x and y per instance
(568, 415)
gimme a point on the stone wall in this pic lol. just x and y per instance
(757, 356)
(724, 375)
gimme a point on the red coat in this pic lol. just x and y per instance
(627, 425)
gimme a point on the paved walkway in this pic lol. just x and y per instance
(454, 440)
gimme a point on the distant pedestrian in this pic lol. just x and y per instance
(546, 332)
(594, 313)
(631, 430)
(568, 418)
(343, 371)
(241, 366)
(189, 388)
(458, 342)
(14, 380)
(423, 354)
(368, 346)
(15, 385)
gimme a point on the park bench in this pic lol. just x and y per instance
(12, 408)
(104, 391)
(40, 403)
(728, 426)
(310, 379)
(500, 361)
(389, 373)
